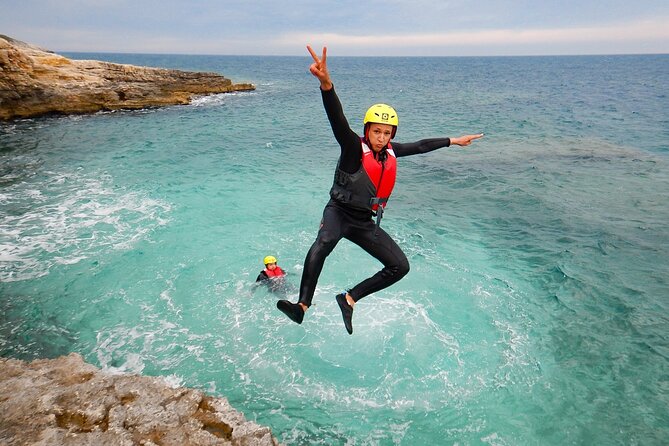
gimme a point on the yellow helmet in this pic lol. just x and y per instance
(269, 259)
(382, 114)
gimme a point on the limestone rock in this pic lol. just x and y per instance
(66, 401)
(35, 82)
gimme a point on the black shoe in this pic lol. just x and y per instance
(293, 311)
(346, 311)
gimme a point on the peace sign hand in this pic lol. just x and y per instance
(320, 68)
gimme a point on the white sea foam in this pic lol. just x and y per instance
(69, 217)
(517, 364)
(165, 295)
(214, 100)
(425, 370)
(173, 381)
(162, 344)
(211, 100)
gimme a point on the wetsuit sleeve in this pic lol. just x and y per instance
(422, 146)
(262, 277)
(351, 157)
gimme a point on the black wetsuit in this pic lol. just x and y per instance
(262, 277)
(276, 284)
(341, 220)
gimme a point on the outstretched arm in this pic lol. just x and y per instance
(320, 68)
(428, 145)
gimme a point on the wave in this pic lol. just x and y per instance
(214, 100)
(68, 217)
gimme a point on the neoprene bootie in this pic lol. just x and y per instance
(293, 311)
(346, 311)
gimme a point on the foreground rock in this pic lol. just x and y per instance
(65, 401)
(36, 82)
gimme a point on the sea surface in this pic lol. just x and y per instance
(536, 311)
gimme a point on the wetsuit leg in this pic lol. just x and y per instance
(329, 235)
(383, 248)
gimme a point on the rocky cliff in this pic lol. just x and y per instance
(35, 82)
(65, 401)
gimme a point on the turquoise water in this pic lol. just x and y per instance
(536, 310)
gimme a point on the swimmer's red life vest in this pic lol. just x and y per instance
(277, 272)
(371, 185)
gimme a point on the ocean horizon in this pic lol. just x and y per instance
(100, 54)
(535, 311)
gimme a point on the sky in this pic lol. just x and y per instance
(346, 27)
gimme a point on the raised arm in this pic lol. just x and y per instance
(348, 140)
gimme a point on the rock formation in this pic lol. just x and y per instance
(65, 401)
(35, 82)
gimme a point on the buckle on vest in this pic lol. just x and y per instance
(379, 211)
(378, 201)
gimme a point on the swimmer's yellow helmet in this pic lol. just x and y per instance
(269, 259)
(382, 114)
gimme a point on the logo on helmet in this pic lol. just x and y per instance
(381, 114)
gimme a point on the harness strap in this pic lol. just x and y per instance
(379, 211)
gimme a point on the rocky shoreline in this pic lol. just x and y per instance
(35, 82)
(67, 401)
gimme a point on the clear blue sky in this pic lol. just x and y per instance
(347, 27)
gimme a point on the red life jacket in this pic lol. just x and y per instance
(381, 173)
(277, 272)
(371, 185)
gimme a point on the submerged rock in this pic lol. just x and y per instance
(67, 401)
(36, 82)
